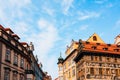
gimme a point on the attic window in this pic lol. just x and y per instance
(118, 45)
(105, 48)
(116, 50)
(93, 47)
(109, 44)
(98, 43)
(94, 38)
(87, 42)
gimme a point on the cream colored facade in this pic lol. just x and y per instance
(67, 68)
(117, 40)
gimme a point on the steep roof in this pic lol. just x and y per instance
(97, 48)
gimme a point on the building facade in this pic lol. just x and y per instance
(92, 59)
(16, 58)
(67, 66)
(97, 60)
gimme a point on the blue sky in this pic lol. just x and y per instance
(52, 24)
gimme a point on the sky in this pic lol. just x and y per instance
(52, 24)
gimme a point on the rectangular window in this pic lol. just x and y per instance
(15, 76)
(96, 58)
(108, 59)
(117, 73)
(22, 62)
(60, 68)
(91, 57)
(7, 74)
(100, 58)
(21, 77)
(108, 71)
(115, 59)
(73, 72)
(15, 59)
(69, 74)
(100, 71)
(8, 54)
(29, 79)
(92, 71)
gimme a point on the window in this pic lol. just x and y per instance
(94, 38)
(92, 71)
(21, 77)
(105, 49)
(100, 71)
(73, 72)
(29, 79)
(115, 59)
(7, 74)
(64, 66)
(96, 58)
(22, 62)
(8, 54)
(107, 71)
(60, 68)
(116, 71)
(69, 73)
(91, 57)
(27, 67)
(94, 47)
(100, 57)
(69, 62)
(15, 75)
(15, 59)
(108, 59)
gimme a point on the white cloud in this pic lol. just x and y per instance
(100, 1)
(87, 15)
(83, 27)
(66, 4)
(12, 9)
(48, 35)
(21, 28)
(49, 11)
(44, 41)
(21, 3)
(117, 24)
(13, 14)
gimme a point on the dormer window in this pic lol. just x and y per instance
(94, 38)
(93, 47)
(105, 48)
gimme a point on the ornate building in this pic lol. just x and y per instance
(97, 60)
(67, 66)
(17, 61)
(94, 60)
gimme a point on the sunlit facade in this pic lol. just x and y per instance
(67, 67)
(97, 61)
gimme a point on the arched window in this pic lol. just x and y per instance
(94, 38)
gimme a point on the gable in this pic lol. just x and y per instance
(95, 38)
